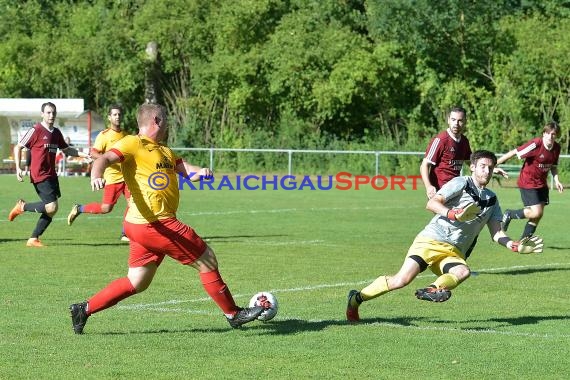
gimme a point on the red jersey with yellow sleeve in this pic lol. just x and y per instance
(149, 170)
(103, 142)
(538, 161)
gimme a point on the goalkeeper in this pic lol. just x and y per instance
(463, 206)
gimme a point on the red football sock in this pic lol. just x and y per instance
(116, 291)
(219, 291)
(91, 208)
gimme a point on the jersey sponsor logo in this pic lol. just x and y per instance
(52, 148)
(164, 165)
(456, 164)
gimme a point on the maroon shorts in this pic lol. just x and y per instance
(113, 191)
(151, 242)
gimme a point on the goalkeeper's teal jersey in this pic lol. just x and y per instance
(458, 193)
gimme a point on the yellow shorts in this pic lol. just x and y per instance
(436, 254)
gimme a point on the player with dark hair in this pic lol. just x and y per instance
(462, 207)
(540, 156)
(43, 141)
(114, 182)
(151, 171)
(446, 153)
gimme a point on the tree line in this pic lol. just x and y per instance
(302, 74)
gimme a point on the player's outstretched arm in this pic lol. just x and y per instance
(195, 172)
(529, 244)
(507, 156)
(99, 166)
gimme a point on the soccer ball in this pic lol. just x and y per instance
(268, 301)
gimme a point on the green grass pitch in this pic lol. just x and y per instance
(509, 320)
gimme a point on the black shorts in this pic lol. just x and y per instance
(531, 197)
(48, 190)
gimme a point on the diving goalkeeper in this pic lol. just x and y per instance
(463, 206)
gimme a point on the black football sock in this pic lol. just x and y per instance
(529, 230)
(41, 226)
(35, 207)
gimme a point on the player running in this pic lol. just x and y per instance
(42, 141)
(540, 157)
(114, 182)
(151, 172)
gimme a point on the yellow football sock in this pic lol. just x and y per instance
(375, 289)
(447, 281)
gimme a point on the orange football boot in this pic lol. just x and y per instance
(17, 210)
(34, 242)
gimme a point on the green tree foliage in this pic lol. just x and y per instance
(344, 74)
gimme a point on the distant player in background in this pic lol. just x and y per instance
(446, 153)
(540, 156)
(114, 181)
(462, 207)
(151, 170)
(43, 141)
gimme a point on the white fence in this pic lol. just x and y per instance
(376, 154)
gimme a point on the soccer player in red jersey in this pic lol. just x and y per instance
(446, 153)
(114, 182)
(151, 171)
(42, 141)
(540, 156)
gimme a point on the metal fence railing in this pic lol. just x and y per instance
(375, 154)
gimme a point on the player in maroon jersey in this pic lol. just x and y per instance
(42, 141)
(540, 156)
(446, 153)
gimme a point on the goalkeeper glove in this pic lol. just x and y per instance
(465, 214)
(529, 244)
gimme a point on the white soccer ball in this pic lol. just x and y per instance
(268, 301)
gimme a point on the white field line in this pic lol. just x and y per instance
(335, 285)
(324, 286)
(285, 243)
(119, 214)
(161, 307)
(464, 330)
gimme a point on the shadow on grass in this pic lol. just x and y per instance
(285, 327)
(11, 240)
(295, 326)
(64, 242)
(556, 248)
(229, 238)
(527, 320)
(523, 271)
(494, 323)
(94, 244)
